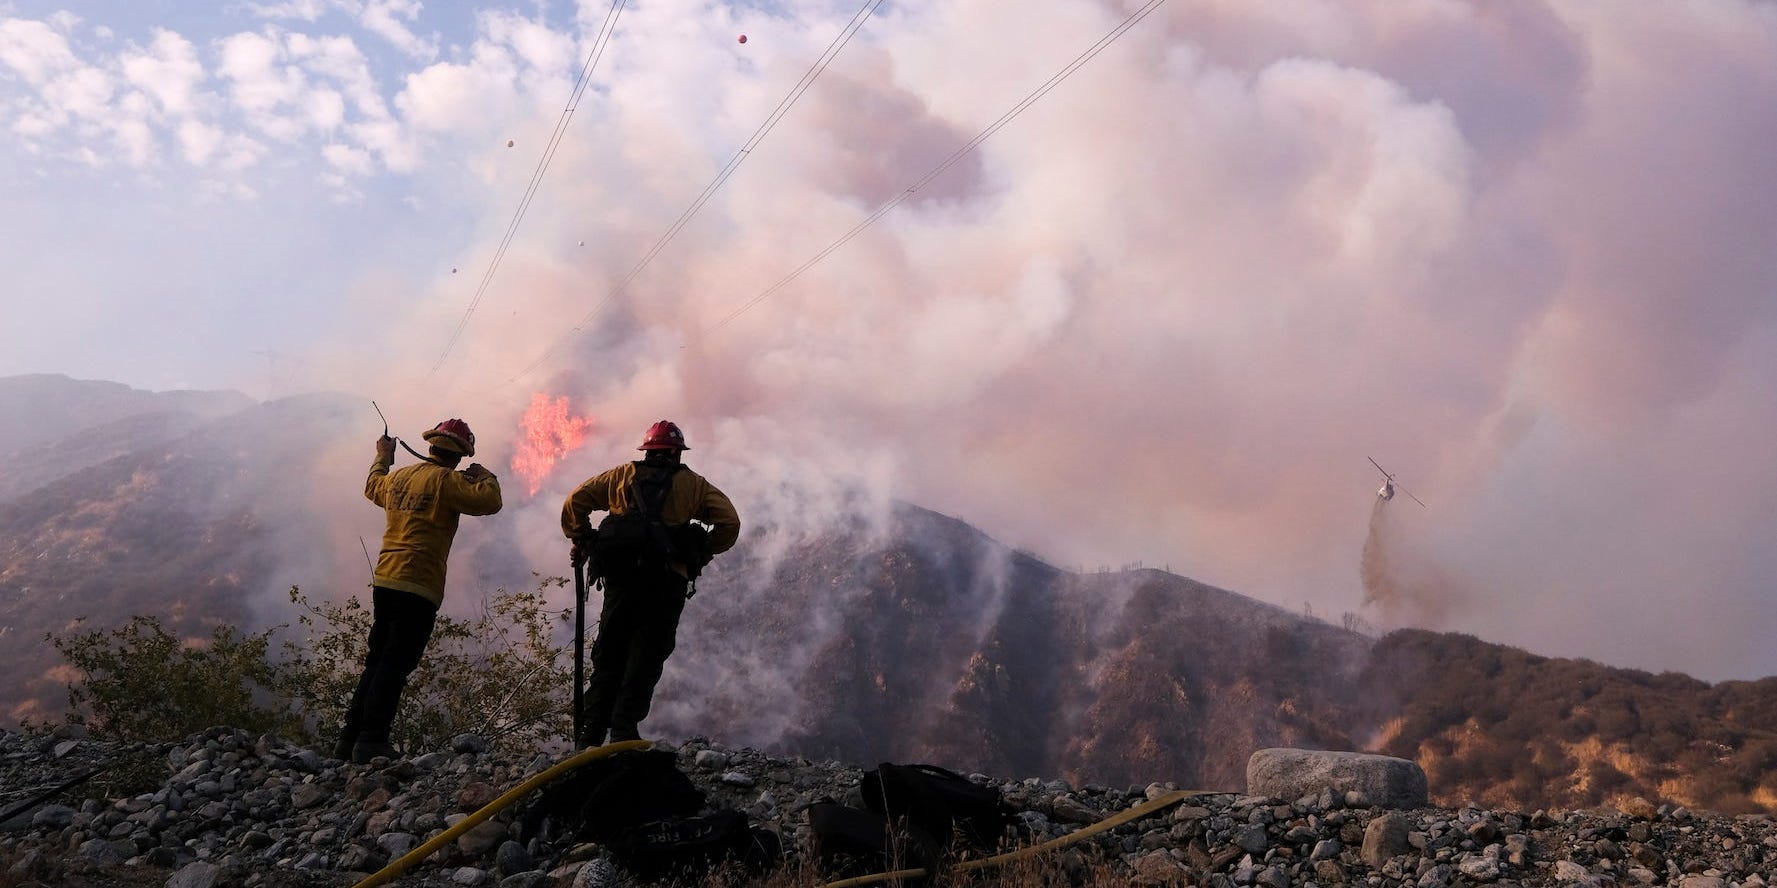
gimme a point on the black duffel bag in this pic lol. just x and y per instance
(692, 846)
(943, 803)
(853, 842)
(609, 796)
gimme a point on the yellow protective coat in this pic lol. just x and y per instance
(423, 503)
(690, 498)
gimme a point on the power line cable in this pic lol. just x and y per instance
(1079, 61)
(721, 178)
(600, 41)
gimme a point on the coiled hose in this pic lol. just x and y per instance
(1138, 812)
(408, 860)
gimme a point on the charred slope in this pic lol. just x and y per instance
(188, 530)
(1505, 727)
(928, 640)
(39, 465)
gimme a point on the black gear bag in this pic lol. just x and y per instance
(944, 804)
(635, 540)
(690, 847)
(611, 795)
(850, 842)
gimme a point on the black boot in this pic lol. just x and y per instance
(343, 749)
(590, 736)
(365, 750)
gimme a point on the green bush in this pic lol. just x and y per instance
(499, 674)
(140, 682)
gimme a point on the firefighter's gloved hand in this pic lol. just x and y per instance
(477, 471)
(385, 449)
(576, 554)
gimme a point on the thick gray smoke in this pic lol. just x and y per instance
(1521, 253)
(1164, 315)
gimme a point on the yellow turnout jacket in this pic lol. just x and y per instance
(691, 497)
(423, 502)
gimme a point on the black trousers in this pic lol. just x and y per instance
(398, 636)
(638, 627)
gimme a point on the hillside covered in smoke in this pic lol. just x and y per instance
(874, 633)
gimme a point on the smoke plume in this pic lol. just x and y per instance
(1161, 316)
(1164, 315)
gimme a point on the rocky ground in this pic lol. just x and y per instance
(227, 808)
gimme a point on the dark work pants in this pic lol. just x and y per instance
(638, 625)
(398, 636)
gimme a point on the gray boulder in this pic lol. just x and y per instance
(53, 817)
(1385, 838)
(196, 874)
(1378, 780)
(103, 851)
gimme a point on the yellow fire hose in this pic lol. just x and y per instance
(1109, 823)
(407, 860)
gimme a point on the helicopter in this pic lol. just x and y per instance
(1387, 490)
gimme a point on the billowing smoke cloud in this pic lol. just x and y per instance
(1520, 253)
(1165, 314)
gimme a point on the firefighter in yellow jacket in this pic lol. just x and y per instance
(422, 503)
(646, 578)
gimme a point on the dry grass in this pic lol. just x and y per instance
(1062, 869)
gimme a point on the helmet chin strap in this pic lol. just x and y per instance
(422, 456)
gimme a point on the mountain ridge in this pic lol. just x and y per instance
(906, 635)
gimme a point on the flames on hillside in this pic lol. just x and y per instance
(548, 431)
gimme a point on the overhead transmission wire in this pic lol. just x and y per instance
(600, 41)
(771, 121)
(1079, 61)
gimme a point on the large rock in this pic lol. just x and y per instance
(1379, 780)
(197, 874)
(1385, 838)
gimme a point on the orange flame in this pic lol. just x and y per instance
(550, 431)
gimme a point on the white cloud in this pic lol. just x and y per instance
(168, 70)
(259, 83)
(384, 18)
(136, 140)
(34, 50)
(348, 159)
(199, 141)
(304, 10)
(325, 108)
(83, 92)
(390, 143)
(449, 96)
(241, 152)
(34, 124)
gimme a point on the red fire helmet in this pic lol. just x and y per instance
(452, 434)
(663, 435)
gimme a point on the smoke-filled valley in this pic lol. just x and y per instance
(846, 625)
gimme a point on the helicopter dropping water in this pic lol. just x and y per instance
(1387, 491)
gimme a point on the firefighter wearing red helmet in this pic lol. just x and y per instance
(421, 504)
(648, 553)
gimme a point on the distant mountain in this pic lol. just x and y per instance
(56, 425)
(899, 636)
(191, 527)
(44, 407)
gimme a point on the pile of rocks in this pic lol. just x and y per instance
(234, 809)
